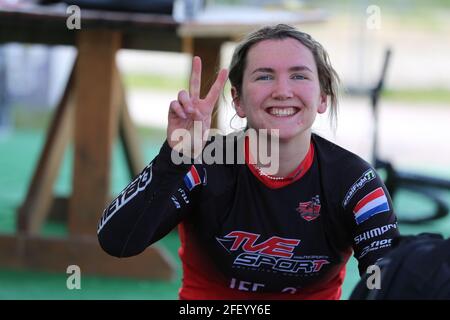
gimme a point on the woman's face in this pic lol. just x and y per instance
(280, 88)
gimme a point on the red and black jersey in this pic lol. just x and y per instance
(245, 236)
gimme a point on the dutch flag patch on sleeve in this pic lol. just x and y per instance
(192, 178)
(373, 203)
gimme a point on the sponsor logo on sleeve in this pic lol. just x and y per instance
(372, 204)
(134, 188)
(375, 232)
(181, 194)
(374, 246)
(175, 202)
(361, 182)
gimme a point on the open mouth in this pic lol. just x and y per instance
(282, 111)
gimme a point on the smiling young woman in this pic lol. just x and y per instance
(281, 90)
(247, 234)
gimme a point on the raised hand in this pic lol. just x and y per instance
(189, 115)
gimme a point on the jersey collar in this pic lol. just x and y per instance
(295, 175)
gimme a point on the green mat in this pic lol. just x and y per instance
(19, 152)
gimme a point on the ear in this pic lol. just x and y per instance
(237, 103)
(322, 103)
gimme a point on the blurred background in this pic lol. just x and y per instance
(412, 130)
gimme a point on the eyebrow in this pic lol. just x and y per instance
(294, 68)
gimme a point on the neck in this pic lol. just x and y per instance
(292, 153)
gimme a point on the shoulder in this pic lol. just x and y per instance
(337, 158)
(344, 172)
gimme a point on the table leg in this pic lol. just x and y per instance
(38, 200)
(129, 137)
(96, 122)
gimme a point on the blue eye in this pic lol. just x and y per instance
(265, 77)
(298, 77)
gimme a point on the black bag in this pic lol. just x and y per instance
(417, 268)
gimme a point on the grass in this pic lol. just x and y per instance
(37, 119)
(153, 81)
(431, 95)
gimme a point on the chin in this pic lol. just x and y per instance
(296, 133)
(287, 134)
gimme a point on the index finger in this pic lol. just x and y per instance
(196, 78)
(217, 87)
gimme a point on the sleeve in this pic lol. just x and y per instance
(151, 205)
(369, 212)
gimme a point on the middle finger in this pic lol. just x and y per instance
(185, 101)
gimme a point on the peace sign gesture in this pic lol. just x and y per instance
(190, 109)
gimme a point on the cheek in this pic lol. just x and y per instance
(311, 93)
(311, 90)
(255, 95)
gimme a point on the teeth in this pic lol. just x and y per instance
(282, 112)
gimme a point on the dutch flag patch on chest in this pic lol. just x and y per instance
(374, 203)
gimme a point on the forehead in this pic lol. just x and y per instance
(276, 53)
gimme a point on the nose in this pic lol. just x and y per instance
(282, 90)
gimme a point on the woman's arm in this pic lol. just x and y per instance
(372, 217)
(150, 206)
(158, 199)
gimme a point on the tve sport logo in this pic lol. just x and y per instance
(275, 253)
(275, 246)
